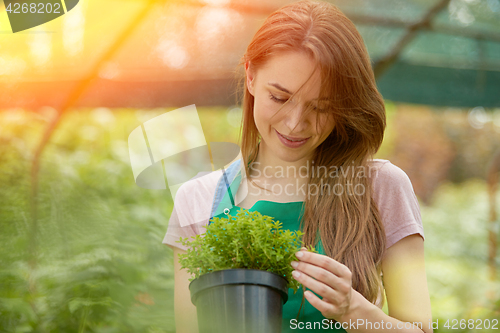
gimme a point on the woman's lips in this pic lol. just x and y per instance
(291, 141)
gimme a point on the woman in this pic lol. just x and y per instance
(313, 119)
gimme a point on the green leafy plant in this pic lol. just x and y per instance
(248, 240)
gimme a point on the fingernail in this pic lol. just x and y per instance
(296, 274)
(299, 254)
(294, 264)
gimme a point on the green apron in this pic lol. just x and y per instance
(290, 215)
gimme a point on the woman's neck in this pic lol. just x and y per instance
(268, 165)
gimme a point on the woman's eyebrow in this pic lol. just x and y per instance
(278, 86)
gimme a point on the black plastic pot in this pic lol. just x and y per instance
(239, 300)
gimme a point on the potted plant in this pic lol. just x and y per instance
(242, 272)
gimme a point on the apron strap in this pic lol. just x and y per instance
(224, 186)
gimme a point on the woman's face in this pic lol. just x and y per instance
(293, 133)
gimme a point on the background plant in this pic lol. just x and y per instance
(248, 240)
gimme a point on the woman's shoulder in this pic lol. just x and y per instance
(396, 201)
(193, 199)
(199, 188)
(202, 187)
(382, 171)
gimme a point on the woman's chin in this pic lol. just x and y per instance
(290, 156)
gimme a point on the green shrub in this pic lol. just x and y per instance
(248, 240)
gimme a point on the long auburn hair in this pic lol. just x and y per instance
(349, 226)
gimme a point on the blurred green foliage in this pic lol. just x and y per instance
(456, 250)
(94, 261)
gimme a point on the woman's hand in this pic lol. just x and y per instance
(327, 278)
(403, 265)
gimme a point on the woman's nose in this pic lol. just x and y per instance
(295, 119)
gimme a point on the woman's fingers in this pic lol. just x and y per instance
(327, 278)
(319, 287)
(327, 309)
(325, 262)
(319, 274)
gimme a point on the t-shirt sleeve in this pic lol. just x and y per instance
(192, 206)
(175, 231)
(397, 203)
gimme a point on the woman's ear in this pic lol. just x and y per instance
(249, 77)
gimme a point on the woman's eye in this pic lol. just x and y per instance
(276, 99)
(317, 109)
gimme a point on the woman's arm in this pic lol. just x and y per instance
(405, 283)
(185, 312)
(405, 280)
